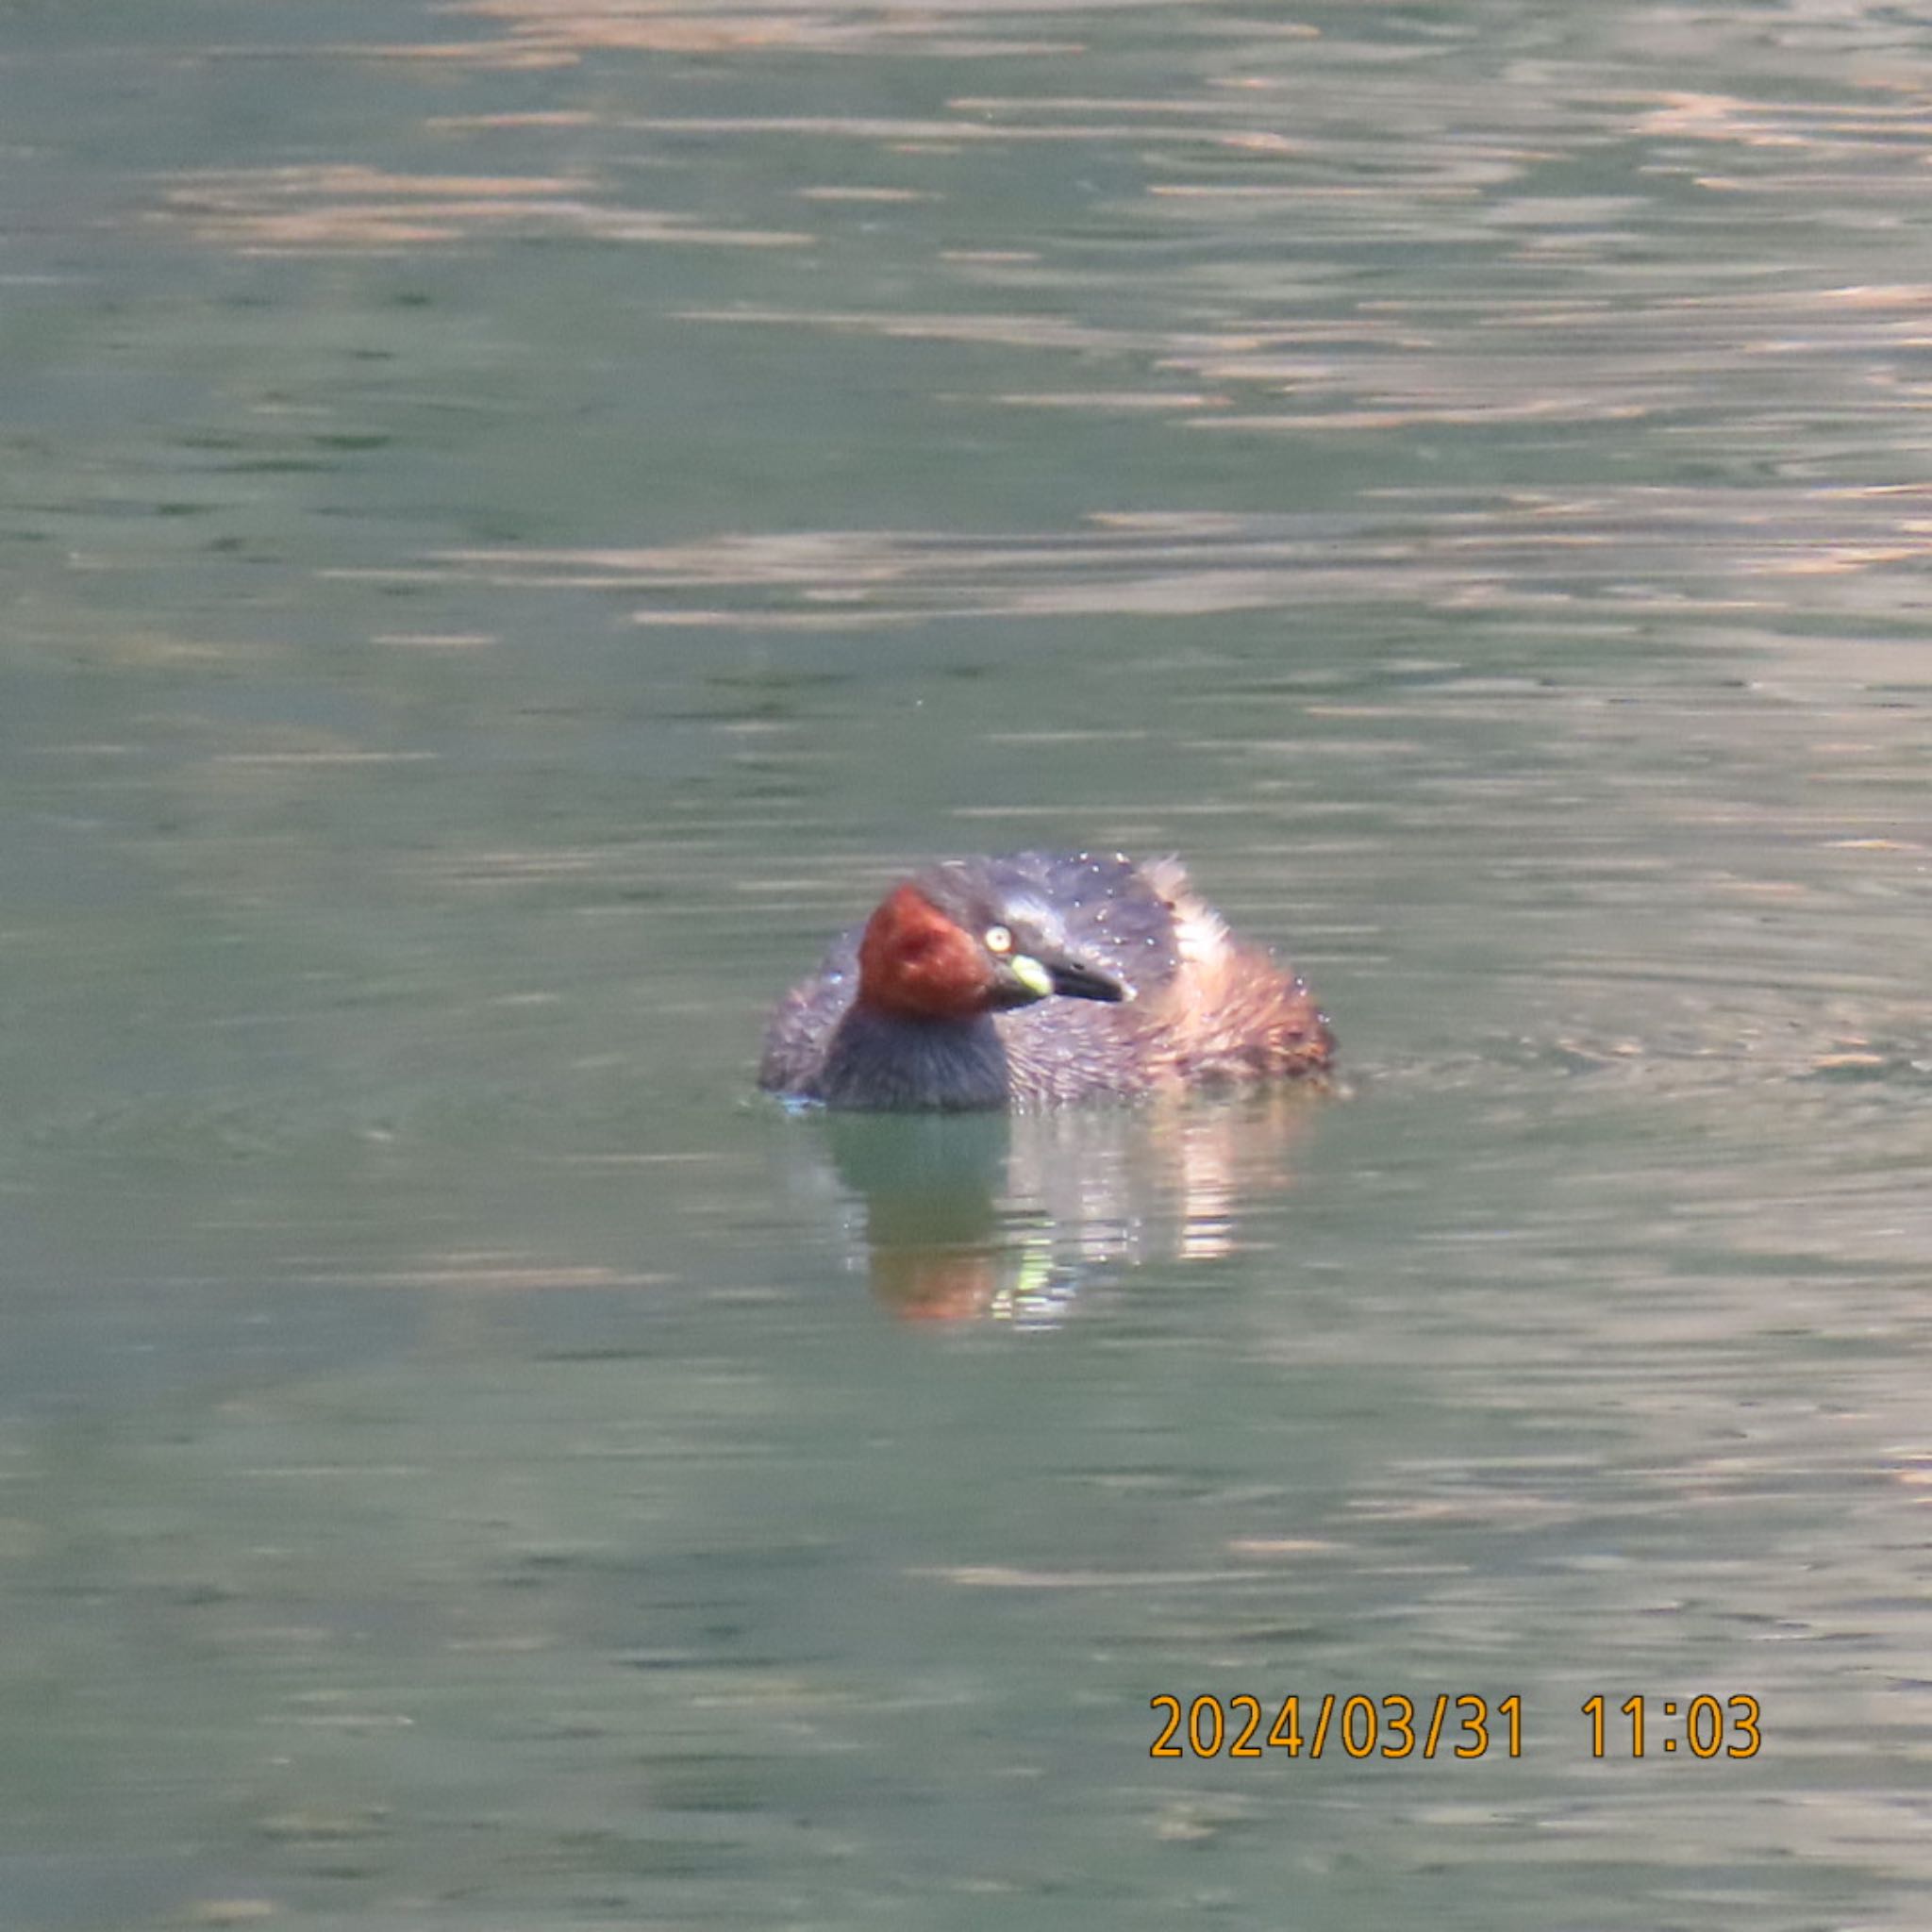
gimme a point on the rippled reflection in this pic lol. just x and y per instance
(1015, 1217)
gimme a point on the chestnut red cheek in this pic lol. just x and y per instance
(943, 975)
(915, 960)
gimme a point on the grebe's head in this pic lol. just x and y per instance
(940, 947)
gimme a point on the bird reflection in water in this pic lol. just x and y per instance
(1011, 1217)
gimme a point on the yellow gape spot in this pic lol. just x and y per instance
(1032, 976)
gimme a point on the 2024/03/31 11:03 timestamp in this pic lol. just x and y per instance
(1467, 1727)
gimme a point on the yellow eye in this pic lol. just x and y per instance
(998, 939)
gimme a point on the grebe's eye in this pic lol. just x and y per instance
(998, 939)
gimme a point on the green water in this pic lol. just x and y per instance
(518, 519)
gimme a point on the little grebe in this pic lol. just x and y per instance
(942, 1000)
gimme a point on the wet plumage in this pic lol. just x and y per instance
(1038, 977)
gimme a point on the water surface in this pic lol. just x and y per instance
(520, 519)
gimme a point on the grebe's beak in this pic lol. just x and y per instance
(1076, 982)
(1023, 980)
